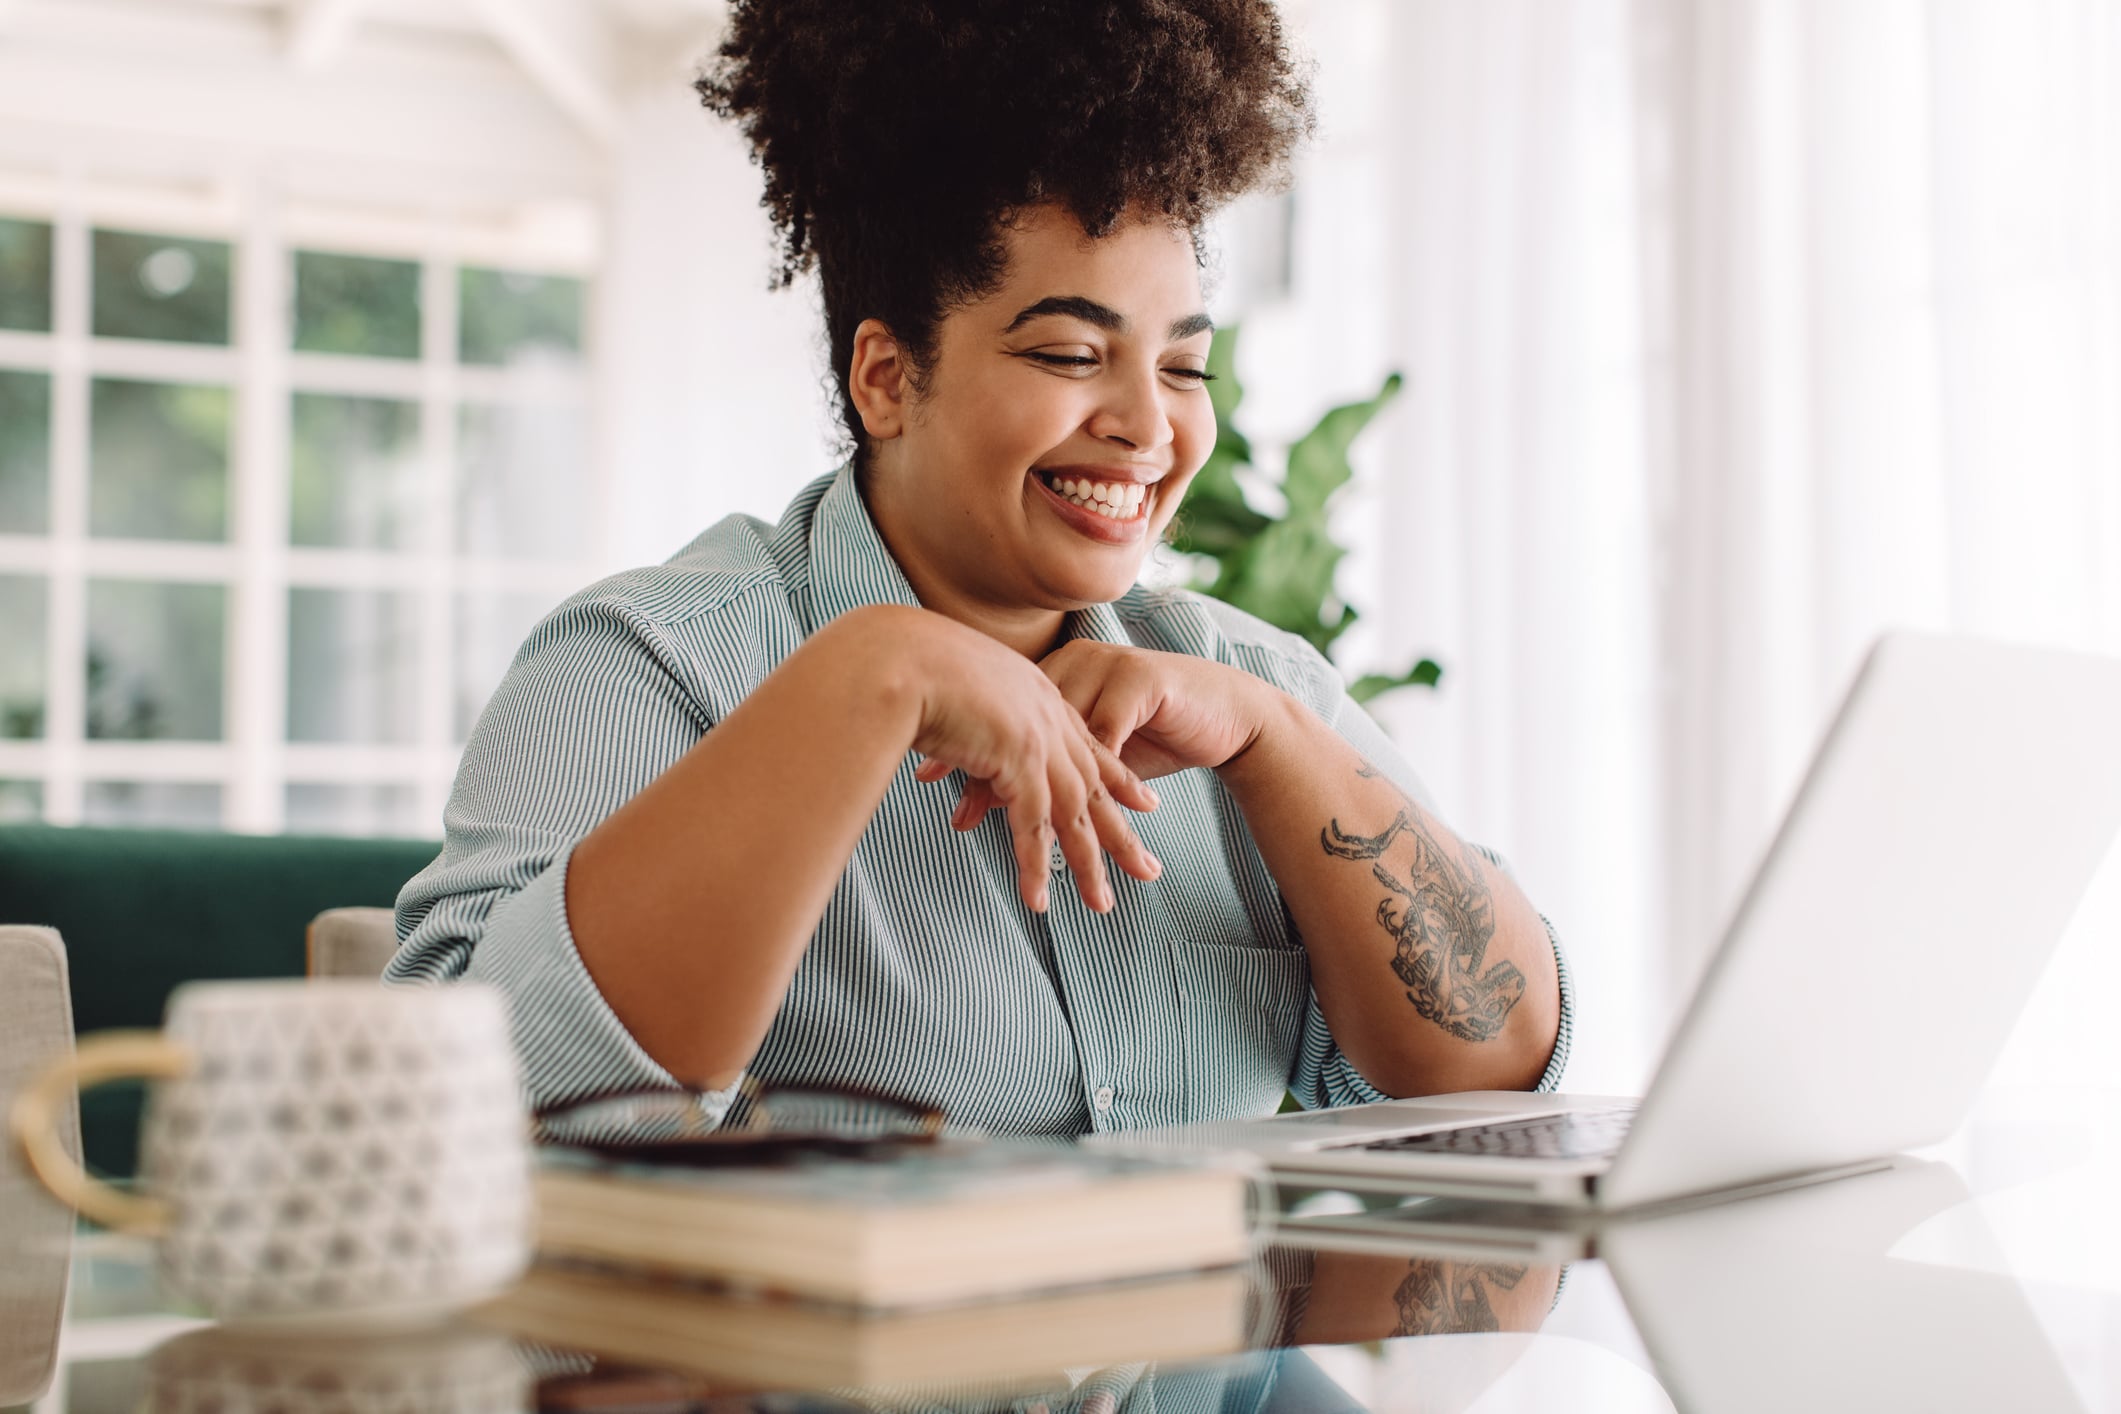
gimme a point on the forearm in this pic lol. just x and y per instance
(1433, 970)
(691, 905)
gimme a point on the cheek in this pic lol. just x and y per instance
(1193, 431)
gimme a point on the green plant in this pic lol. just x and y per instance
(1281, 568)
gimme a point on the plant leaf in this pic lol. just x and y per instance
(1215, 518)
(1225, 393)
(1286, 577)
(1426, 673)
(1318, 463)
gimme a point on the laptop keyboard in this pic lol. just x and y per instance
(1591, 1134)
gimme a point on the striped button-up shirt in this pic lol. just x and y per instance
(927, 977)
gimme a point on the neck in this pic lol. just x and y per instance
(1029, 630)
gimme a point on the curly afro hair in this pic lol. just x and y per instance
(898, 137)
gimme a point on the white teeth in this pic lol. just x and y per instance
(1114, 500)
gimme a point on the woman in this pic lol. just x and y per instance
(831, 801)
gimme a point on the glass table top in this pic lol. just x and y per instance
(1983, 1275)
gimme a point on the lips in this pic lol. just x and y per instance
(1111, 511)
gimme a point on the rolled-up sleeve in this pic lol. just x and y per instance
(591, 711)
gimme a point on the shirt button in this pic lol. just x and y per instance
(1103, 1098)
(1060, 861)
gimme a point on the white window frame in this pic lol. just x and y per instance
(254, 762)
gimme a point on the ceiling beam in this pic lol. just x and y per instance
(570, 50)
(317, 30)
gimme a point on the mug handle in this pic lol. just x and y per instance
(34, 1119)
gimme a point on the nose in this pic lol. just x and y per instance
(1131, 413)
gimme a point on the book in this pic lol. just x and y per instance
(738, 1344)
(895, 1224)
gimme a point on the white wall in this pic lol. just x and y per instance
(711, 385)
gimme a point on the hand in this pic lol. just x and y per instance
(1157, 712)
(992, 714)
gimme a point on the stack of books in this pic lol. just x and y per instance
(952, 1260)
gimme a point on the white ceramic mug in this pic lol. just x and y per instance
(325, 1148)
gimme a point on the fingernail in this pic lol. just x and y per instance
(1156, 867)
(1038, 900)
(1154, 799)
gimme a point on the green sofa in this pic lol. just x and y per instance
(143, 910)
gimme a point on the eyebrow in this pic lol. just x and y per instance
(1103, 316)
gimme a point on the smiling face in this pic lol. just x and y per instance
(1063, 415)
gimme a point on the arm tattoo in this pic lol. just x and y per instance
(1441, 1298)
(1441, 918)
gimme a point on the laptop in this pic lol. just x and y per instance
(1796, 1300)
(1956, 810)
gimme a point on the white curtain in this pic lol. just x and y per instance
(1735, 331)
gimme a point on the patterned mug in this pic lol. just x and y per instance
(331, 1149)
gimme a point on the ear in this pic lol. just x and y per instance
(876, 381)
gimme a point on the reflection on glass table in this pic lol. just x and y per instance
(1881, 1292)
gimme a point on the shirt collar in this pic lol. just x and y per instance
(849, 563)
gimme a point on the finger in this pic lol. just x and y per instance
(1030, 809)
(973, 803)
(1115, 832)
(1074, 783)
(1126, 787)
(931, 770)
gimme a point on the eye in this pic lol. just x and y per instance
(1195, 376)
(1061, 360)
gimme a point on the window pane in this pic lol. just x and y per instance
(154, 660)
(522, 481)
(21, 657)
(25, 275)
(161, 287)
(350, 304)
(158, 460)
(25, 452)
(352, 665)
(356, 471)
(488, 628)
(21, 802)
(356, 810)
(152, 805)
(504, 316)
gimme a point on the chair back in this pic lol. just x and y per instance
(36, 1232)
(352, 942)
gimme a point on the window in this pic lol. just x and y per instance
(276, 507)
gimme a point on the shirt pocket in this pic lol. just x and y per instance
(1241, 1009)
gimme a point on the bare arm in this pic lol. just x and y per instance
(1433, 970)
(692, 904)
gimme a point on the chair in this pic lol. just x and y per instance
(352, 942)
(144, 911)
(36, 1232)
